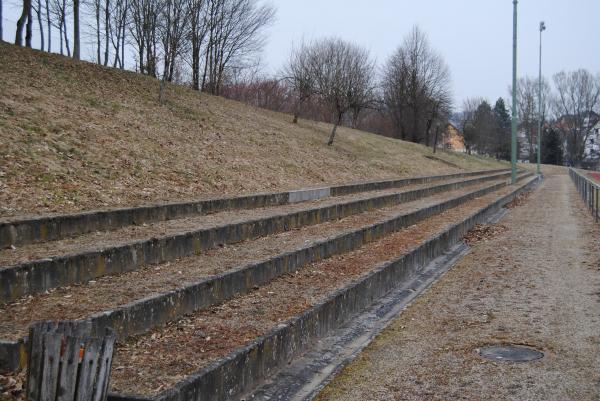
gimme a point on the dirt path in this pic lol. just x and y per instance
(536, 283)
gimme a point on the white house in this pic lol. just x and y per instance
(592, 147)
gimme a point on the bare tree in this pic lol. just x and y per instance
(117, 31)
(340, 75)
(59, 11)
(198, 28)
(49, 25)
(107, 29)
(143, 27)
(528, 109)
(24, 21)
(97, 4)
(416, 88)
(173, 29)
(174, 20)
(577, 98)
(39, 12)
(300, 78)
(235, 34)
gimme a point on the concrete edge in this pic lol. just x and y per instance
(36, 276)
(245, 368)
(21, 231)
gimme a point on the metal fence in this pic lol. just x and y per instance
(589, 191)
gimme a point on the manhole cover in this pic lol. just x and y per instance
(510, 353)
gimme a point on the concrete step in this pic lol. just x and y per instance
(24, 230)
(155, 309)
(234, 364)
(75, 263)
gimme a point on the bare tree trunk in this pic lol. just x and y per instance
(161, 90)
(123, 36)
(39, 18)
(76, 42)
(1, 21)
(21, 22)
(64, 21)
(98, 43)
(435, 139)
(49, 24)
(332, 135)
(28, 27)
(60, 35)
(106, 29)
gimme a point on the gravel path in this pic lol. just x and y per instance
(535, 283)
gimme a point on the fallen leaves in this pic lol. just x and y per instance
(11, 386)
(483, 232)
(518, 201)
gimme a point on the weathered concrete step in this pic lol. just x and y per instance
(142, 315)
(21, 231)
(108, 239)
(37, 276)
(236, 374)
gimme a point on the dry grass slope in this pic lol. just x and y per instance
(74, 135)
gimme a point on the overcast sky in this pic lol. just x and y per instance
(474, 36)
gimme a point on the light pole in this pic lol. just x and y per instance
(513, 143)
(539, 138)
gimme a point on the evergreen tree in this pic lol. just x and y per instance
(484, 126)
(503, 131)
(552, 147)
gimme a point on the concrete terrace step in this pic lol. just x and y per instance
(33, 229)
(144, 314)
(31, 277)
(231, 374)
(107, 239)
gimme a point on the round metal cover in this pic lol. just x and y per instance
(510, 353)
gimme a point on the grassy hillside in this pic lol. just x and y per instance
(74, 135)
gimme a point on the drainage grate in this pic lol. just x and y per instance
(510, 353)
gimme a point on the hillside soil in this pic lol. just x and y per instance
(534, 281)
(78, 136)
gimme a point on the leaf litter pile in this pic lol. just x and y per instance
(483, 232)
(518, 201)
(11, 386)
(152, 362)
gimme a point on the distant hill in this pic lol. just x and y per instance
(75, 135)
